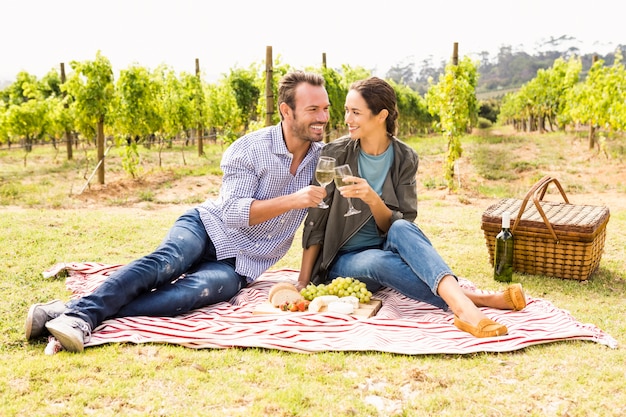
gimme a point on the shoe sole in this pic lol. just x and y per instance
(28, 326)
(485, 328)
(66, 341)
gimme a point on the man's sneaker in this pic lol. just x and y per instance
(38, 315)
(70, 331)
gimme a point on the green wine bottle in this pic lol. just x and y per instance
(503, 258)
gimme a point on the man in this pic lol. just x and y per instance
(222, 245)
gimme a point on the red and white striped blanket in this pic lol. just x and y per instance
(401, 326)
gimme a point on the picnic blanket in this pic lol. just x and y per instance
(401, 326)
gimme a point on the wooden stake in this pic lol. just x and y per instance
(269, 82)
(455, 54)
(592, 128)
(68, 134)
(199, 129)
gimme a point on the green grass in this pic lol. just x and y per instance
(560, 379)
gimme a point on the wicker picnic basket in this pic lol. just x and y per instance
(556, 239)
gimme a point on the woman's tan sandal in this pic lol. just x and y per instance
(485, 328)
(515, 297)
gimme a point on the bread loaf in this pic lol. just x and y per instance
(283, 293)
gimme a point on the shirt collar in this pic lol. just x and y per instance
(278, 141)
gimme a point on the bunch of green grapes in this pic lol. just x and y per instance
(341, 287)
(311, 291)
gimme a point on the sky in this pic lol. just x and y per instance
(37, 35)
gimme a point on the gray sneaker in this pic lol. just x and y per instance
(38, 315)
(70, 331)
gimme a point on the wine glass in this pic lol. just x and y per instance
(341, 172)
(324, 174)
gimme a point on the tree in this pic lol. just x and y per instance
(244, 86)
(415, 116)
(192, 85)
(174, 107)
(401, 74)
(28, 121)
(26, 116)
(223, 110)
(22, 90)
(4, 124)
(50, 84)
(453, 100)
(337, 90)
(599, 100)
(91, 86)
(136, 112)
(543, 98)
(351, 75)
(60, 122)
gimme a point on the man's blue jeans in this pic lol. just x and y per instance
(407, 262)
(150, 286)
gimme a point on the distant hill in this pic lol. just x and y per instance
(507, 72)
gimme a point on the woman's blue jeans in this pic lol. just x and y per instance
(151, 285)
(407, 262)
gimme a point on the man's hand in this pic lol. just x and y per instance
(309, 196)
(262, 210)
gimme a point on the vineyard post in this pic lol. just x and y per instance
(327, 129)
(100, 149)
(199, 132)
(68, 136)
(592, 127)
(269, 92)
(455, 167)
(455, 54)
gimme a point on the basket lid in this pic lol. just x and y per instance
(564, 217)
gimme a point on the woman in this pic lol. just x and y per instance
(381, 246)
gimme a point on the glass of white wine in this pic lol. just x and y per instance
(324, 174)
(341, 172)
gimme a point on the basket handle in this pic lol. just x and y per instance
(538, 191)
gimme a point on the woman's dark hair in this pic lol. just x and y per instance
(379, 95)
(290, 81)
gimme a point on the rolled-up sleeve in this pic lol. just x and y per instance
(256, 167)
(239, 185)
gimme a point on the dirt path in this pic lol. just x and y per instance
(588, 177)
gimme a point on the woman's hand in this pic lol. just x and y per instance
(359, 188)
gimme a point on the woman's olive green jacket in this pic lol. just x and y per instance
(331, 229)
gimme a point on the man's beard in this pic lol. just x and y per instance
(302, 131)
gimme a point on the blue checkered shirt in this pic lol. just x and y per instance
(256, 167)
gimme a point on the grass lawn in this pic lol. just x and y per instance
(44, 220)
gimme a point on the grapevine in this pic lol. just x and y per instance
(341, 287)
